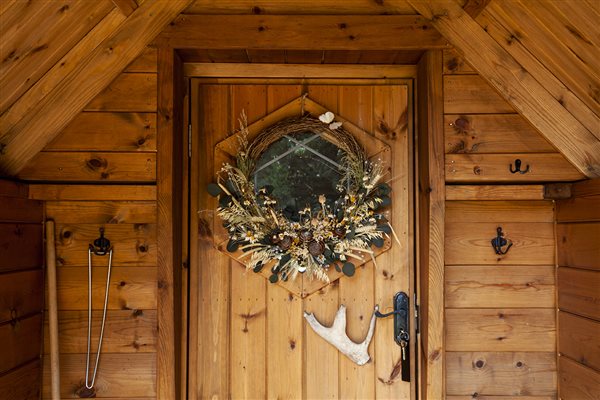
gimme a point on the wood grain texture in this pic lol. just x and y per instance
(431, 214)
(578, 291)
(455, 64)
(499, 211)
(578, 339)
(91, 166)
(146, 62)
(13, 189)
(20, 246)
(352, 7)
(126, 6)
(530, 98)
(21, 210)
(22, 383)
(133, 244)
(471, 94)
(495, 329)
(578, 209)
(107, 131)
(94, 192)
(590, 187)
(576, 381)
(578, 245)
(492, 133)
(21, 342)
(494, 192)
(22, 294)
(505, 286)
(102, 212)
(50, 115)
(128, 92)
(114, 379)
(130, 288)
(469, 243)
(501, 373)
(126, 331)
(496, 168)
(289, 32)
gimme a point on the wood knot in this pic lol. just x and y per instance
(143, 248)
(262, 28)
(256, 10)
(342, 25)
(519, 364)
(479, 364)
(96, 163)
(462, 124)
(292, 344)
(137, 313)
(85, 393)
(352, 37)
(477, 170)
(452, 64)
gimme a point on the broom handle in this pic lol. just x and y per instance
(52, 310)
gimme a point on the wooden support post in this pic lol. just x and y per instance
(52, 311)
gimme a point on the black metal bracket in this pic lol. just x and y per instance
(518, 167)
(401, 315)
(499, 242)
(101, 246)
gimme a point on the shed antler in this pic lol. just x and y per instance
(336, 335)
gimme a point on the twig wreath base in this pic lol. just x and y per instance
(330, 235)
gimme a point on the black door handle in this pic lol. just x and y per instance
(401, 315)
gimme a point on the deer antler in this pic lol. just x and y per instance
(336, 335)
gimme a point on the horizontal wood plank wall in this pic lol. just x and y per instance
(500, 309)
(110, 143)
(484, 135)
(578, 280)
(21, 292)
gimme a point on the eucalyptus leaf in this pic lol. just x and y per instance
(378, 242)
(350, 235)
(348, 269)
(284, 259)
(213, 189)
(232, 245)
(224, 201)
(273, 278)
(258, 267)
(337, 267)
(385, 201)
(384, 228)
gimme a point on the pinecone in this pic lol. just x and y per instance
(316, 248)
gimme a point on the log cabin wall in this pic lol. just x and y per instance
(101, 172)
(500, 310)
(21, 292)
(578, 235)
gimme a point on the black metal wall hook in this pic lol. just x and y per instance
(499, 242)
(518, 167)
(101, 246)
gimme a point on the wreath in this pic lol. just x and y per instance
(332, 233)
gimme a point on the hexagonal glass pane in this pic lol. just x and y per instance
(299, 169)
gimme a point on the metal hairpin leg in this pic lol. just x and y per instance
(89, 336)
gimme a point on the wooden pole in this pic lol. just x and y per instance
(52, 310)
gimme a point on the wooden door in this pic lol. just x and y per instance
(247, 337)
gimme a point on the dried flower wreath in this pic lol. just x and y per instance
(331, 234)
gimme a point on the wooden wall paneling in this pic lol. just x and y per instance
(129, 376)
(500, 286)
(494, 192)
(355, 105)
(146, 61)
(492, 133)
(578, 209)
(32, 46)
(495, 329)
(107, 131)
(126, 331)
(352, 7)
(135, 245)
(17, 246)
(500, 31)
(530, 98)
(501, 373)
(130, 289)
(579, 245)
(209, 330)
(430, 150)
(322, 359)
(578, 339)
(20, 342)
(91, 166)
(22, 383)
(455, 64)
(578, 292)
(96, 192)
(102, 212)
(13, 189)
(52, 113)
(22, 293)
(21, 210)
(576, 381)
(128, 92)
(496, 168)
(126, 6)
(471, 94)
(393, 270)
(290, 32)
(469, 243)
(499, 211)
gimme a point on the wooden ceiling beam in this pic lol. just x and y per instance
(126, 6)
(475, 7)
(302, 32)
(514, 83)
(93, 73)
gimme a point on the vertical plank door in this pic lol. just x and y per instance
(248, 338)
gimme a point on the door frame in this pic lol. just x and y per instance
(172, 205)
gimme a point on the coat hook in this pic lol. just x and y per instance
(499, 241)
(518, 167)
(101, 246)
